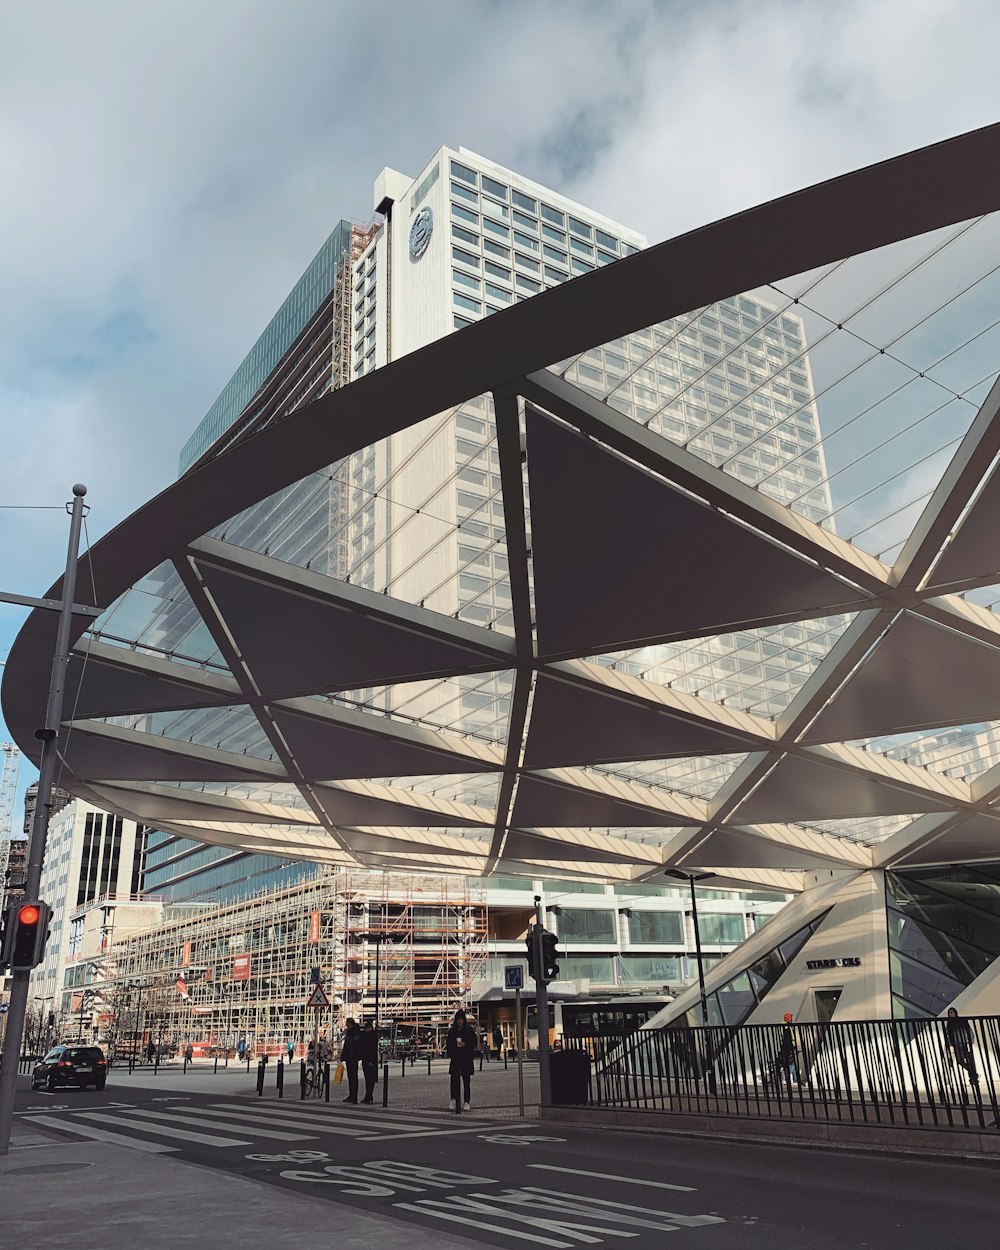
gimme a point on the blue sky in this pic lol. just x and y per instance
(170, 168)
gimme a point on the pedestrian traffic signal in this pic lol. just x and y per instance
(26, 929)
(550, 956)
(529, 944)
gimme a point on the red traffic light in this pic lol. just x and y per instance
(28, 914)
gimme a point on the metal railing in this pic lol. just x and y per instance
(913, 1073)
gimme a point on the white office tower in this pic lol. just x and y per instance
(466, 239)
(90, 856)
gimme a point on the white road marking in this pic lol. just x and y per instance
(466, 1222)
(186, 1116)
(164, 1130)
(572, 1201)
(330, 1125)
(353, 1124)
(100, 1134)
(430, 1132)
(608, 1176)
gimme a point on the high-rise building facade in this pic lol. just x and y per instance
(89, 855)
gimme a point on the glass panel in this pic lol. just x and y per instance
(234, 729)
(661, 928)
(944, 932)
(720, 929)
(962, 751)
(699, 776)
(841, 392)
(585, 924)
(158, 617)
(758, 670)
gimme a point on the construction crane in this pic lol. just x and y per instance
(8, 788)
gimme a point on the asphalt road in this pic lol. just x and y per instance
(514, 1183)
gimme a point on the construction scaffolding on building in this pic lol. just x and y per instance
(10, 759)
(209, 976)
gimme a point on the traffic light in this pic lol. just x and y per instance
(529, 944)
(550, 956)
(26, 929)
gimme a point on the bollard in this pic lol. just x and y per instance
(385, 1085)
(185, 1068)
(402, 1066)
(482, 1051)
(428, 1065)
(302, 1080)
(505, 1060)
(260, 1079)
(248, 1061)
(281, 1078)
(326, 1081)
(216, 1068)
(156, 1062)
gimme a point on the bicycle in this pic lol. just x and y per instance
(314, 1082)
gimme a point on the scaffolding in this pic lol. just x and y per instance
(209, 976)
(8, 788)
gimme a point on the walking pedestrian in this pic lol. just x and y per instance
(958, 1034)
(460, 1048)
(290, 1047)
(368, 1052)
(498, 1040)
(150, 1051)
(788, 1053)
(350, 1057)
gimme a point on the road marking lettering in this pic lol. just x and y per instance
(608, 1176)
(384, 1178)
(293, 1156)
(567, 1218)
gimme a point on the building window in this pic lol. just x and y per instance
(463, 172)
(494, 188)
(585, 924)
(524, 201)
(554, 215)
(656, 928)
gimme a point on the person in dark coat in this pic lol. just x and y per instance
(368, 1051)
(959, 1038)
(460, 1048)
(498, 1040)
(350, 1057)
(788, 1052)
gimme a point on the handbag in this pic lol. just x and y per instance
(338, 1075)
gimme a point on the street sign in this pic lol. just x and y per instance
(317, 997)
(513, 977)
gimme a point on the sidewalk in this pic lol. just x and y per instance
(99, 1197)
(493, 1089)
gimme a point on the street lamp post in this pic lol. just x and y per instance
(691, 878)
(48, 734)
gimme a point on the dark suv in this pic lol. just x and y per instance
(71, 1065)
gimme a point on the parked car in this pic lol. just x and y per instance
(71, 1065)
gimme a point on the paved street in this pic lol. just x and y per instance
(511, 1182)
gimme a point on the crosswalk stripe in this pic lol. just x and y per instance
(164, 1130)
(377, 1117)
(100, 1134)
(322, 1126)
(184, 1115)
